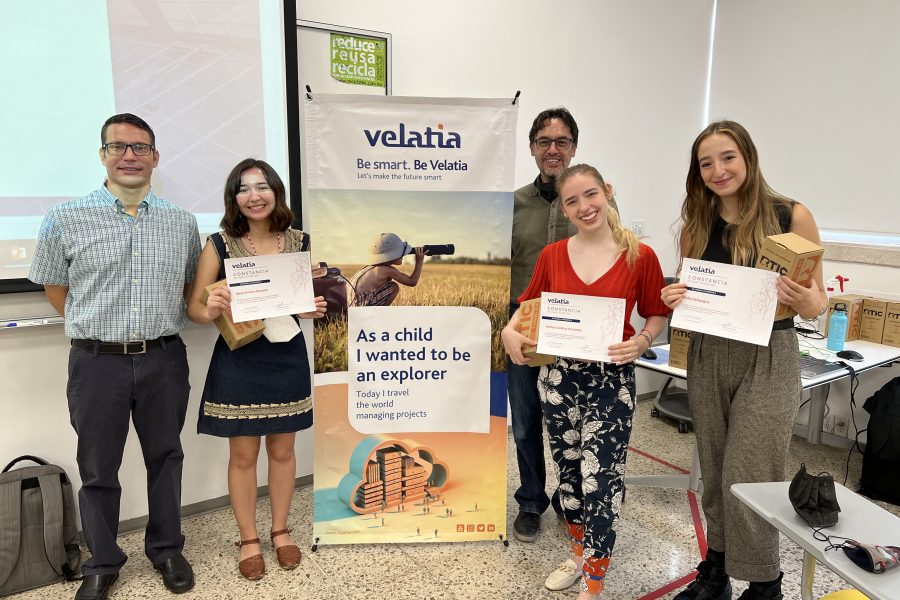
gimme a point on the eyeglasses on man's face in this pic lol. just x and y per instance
(563, 143)
(139, 149)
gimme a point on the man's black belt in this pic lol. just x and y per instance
(135, 347)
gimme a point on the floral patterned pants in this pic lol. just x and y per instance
(588, 408)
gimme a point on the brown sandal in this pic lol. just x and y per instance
(252, 567)
(288, 555)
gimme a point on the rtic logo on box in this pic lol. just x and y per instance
(558, 300)
(528, 314)
(681, 333)
(894, 316)
(703, 270)
(771, 265)
(429, 138)
(873, 312)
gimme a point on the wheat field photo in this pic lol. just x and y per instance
(483, 286)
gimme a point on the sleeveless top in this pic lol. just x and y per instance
(716, 251)
(261, 388)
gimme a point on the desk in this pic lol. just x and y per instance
(874, 355)
(859, 519)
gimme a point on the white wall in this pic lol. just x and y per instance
(815, 82)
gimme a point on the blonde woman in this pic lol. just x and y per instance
(588, 406)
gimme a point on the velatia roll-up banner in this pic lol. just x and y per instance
(410, 212)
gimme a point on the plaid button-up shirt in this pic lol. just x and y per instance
(126, 275)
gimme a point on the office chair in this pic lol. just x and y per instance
(672, 401)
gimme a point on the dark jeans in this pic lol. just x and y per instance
(104, 390)
(527, 425)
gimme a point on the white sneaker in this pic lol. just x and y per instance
(564, 576)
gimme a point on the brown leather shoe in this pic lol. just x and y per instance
(288, 555)
(252, 567)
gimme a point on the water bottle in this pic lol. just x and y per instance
(837, 328)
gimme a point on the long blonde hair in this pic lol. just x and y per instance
(757, 214)
(625, 239)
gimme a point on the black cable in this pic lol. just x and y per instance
(854, 383)
(809, 332)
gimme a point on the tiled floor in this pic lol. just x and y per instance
(656, 545)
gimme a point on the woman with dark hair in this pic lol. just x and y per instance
(263, 388)
(743, 397)
(588, 406)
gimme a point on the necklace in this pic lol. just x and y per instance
(278, 244)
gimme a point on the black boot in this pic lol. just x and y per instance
(766, 590)
(712, 581)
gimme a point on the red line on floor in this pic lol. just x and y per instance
(671, 586)
(698, 529)
(698, 523)
(657, 459)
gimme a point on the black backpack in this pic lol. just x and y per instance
(881, 461)
(38, 539)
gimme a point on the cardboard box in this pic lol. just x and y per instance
(871, 322)
(529, 324)
(891, 335)
(854, 304)
(793, 256)
(235, 334)
(679, 341)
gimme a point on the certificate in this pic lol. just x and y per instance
(733, 302)
(580, 327)
(271, 285)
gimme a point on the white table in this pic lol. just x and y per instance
(874, 355)
(859, 519)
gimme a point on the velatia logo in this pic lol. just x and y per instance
(703, 270)
(410, 138)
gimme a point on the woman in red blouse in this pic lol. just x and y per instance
(588, 406)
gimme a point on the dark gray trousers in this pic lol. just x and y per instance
(104, 390)
(744, 401)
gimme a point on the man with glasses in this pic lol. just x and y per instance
(538, 220)
(118, 264)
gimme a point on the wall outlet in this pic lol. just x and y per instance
(637, 226)
(828, 424)
(840, 426)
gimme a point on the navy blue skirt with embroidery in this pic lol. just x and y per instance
(258, 389)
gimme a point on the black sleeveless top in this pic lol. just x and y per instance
(716, 251)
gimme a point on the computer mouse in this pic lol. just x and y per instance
(850, 355)
(649, 354)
